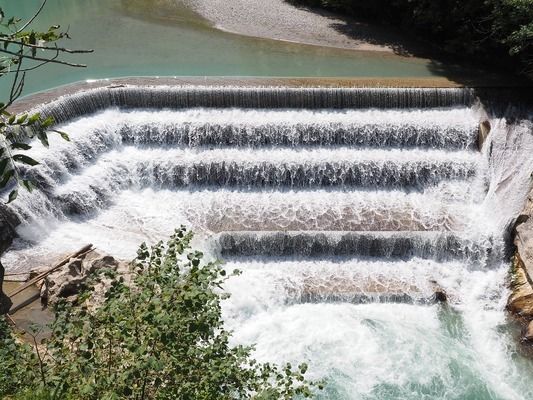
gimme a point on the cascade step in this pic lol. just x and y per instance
(439, 246)
(272, 168)
(305, 280)
(390, 187)
(227, 210)
(452, 129)
(89, 101)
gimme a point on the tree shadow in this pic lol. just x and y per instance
(459, 69)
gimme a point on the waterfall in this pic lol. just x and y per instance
(349, 211)
(83, 103)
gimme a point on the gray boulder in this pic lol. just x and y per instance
(71, 279)
(528, 335)
(8, 222)
(520, 301)
(5, 301)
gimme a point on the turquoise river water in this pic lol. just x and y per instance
(131, 38)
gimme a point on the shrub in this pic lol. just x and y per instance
(497, 31)
(158, 334)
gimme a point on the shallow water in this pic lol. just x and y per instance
(138, 38)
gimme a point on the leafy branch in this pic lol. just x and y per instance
(18, 55)
(158, 333)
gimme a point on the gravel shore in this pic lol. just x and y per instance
(277, 19)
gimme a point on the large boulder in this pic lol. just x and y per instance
(67, 282)
(520, 301)
(8, 223)
(524, 237)
(5, 301)
(6, 237)
(528, 335)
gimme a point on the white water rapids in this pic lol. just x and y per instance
(344, 222)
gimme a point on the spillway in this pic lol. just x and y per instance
(348, 211)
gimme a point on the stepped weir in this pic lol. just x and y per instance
(349, 211)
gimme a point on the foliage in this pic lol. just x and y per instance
(158, 334)
(19, 47)
(490, 30)
(15, 357)
(22, 50)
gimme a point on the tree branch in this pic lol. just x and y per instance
(36, 66)
(32, 18)
(35, 46)
(14, 85)
(19, 55)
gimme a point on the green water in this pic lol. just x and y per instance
(138, 38)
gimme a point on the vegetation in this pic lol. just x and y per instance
(23, 50)
(160, 336)
(487, 30)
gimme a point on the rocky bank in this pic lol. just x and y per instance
(520, 302)
(67, 282)
(281, 20)
(8, 222)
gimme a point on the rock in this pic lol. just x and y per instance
(484, 130)
(524, 238)
(528, 335)
(441, 296)
(520, 301)
(5, 301)
(69, 281)
(8, 223)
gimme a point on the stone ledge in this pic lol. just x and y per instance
(520, 302)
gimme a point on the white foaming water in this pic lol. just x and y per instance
(148, 215)
(405, 183)
(509, 170)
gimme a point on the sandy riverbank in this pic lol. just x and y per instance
(279, 20)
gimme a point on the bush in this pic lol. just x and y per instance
(490, 30)
(158, 334)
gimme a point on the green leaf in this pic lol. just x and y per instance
(34, 118)
(3, 165)
(20, 146)
(6, 178)
(47, 123)
(12, 196)
(64, 135)
(43, 137)
(24, 159)
(11, 119)
(22, 118)
(28, 185)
